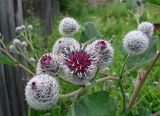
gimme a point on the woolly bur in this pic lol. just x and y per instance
(42, 92)
(65, 45)
(135, 42)
(104, 50)
(68, 26)
(48, 63)
(79, 65)
(16, 42)
(147, 28)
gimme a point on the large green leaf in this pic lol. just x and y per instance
(89, 32)
(139, 60)
(144, 112)
(6, 60)
(97, 104)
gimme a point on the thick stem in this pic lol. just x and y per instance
(72, 93)
(80, 90)
(141, 78)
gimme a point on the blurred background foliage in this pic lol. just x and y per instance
(113, 19)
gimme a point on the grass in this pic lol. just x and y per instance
(111, 19)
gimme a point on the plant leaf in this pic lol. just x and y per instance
(89, 32)
(6, 60)
(144, 112)
(139, 60)
(96, 104)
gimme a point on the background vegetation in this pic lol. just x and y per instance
(112, 20)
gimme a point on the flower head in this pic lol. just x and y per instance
(18, 29)
(104, 50)
(68, 26)
(65, 45)
(79, 66)
(16, 42)
(135, 42)
(147, 28)
(42, 92)
(30, 27)
(49, 64)
(32, 60)
(23, 27)
(24, 44)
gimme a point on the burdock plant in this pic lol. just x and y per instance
(82, 63)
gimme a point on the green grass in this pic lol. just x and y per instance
(111, 19)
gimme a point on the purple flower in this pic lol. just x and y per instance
(79, 65)
(104, 50)
(42, 92)
(49, 64)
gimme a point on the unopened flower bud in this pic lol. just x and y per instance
(65, 45)
(23, 27)
(48, 63)
(24, 44)
(32, 60)
(135, 42)
(16, 42)
(18, 29)
(68, 26)
(104, 50)
(42, 92)
(30, 27)
(147, 28)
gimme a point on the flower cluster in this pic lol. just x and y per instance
(69, 60)
(137, 41)
(17, 46)
(23, 27)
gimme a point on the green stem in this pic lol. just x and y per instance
(29, 43)
(20, 52)
(121, 85)
(80, 90)
(29, 111)
(123, 96)
(121, 73)
(72, 110)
